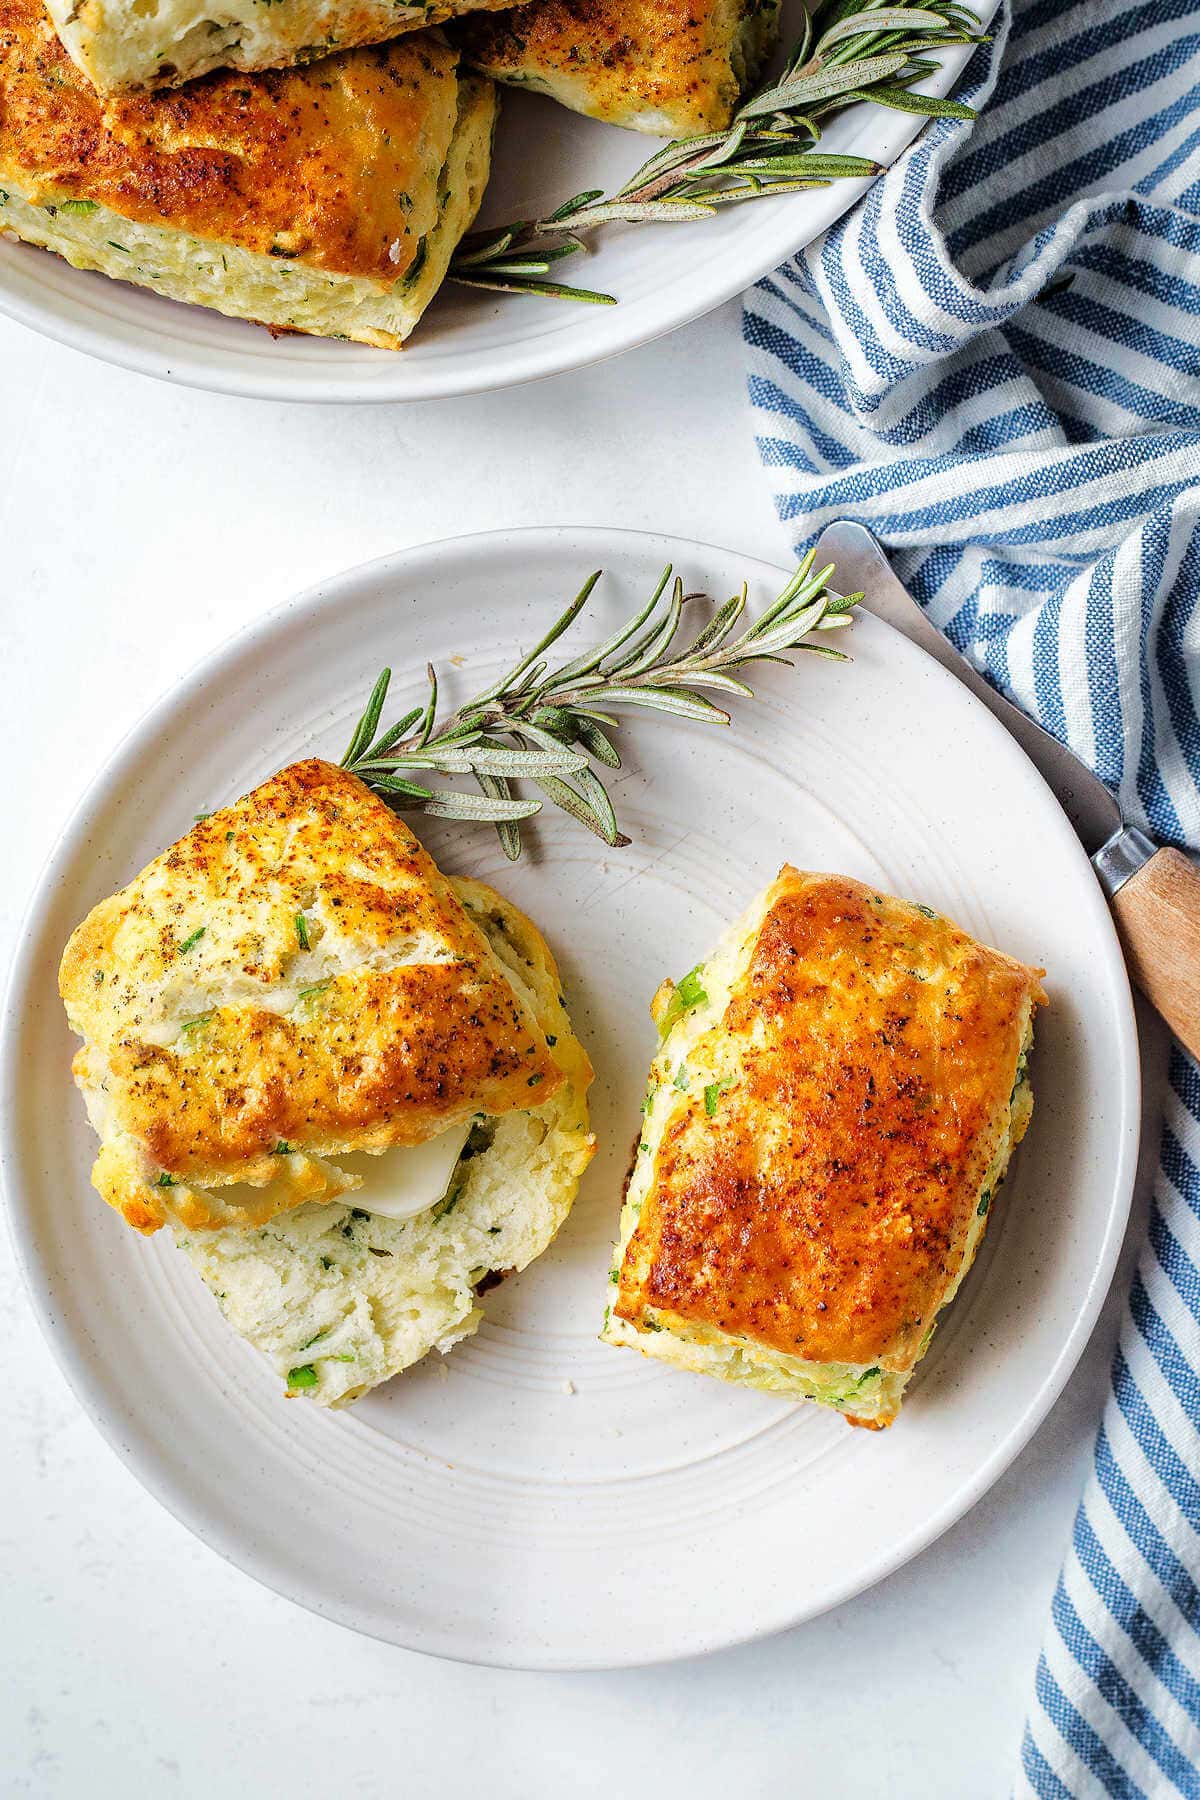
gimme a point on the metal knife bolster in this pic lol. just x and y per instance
(1117, 850)
(1127, 851)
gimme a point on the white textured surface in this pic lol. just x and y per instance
(131, 1655)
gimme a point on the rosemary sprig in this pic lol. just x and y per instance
(549, 726)
(857, 50)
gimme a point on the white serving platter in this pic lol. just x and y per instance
(468, 341)
(537, 1499)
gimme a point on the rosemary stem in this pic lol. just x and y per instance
(543, 723)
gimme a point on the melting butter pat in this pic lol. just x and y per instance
(400, 1183)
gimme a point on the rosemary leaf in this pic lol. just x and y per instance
(555, 721)
(591, 660)
(597, 718)
(549, 290)
(537, 734)
(656, 641)
(452, 804)
(394, 784)
(668, 211)
(507, 830)
(825, 650)
(713, 678)
(499, 760)
(395, 733)
(721, 623)
(573, 205)
(596, 744)
(823, 84)
(813, 164)
(900, 100)
(672, 700)
(893, 18)
(596, 794)
(488, 247)
(430, 713)
(368, 725)
(564, 620)
(601, 822)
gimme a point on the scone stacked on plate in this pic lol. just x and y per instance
(326, 199)
(668, 67)
(838, 1092)
(348, 1084)
(304, 181)
(129, 46)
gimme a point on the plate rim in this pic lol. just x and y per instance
(83, 1373)
(222, 371)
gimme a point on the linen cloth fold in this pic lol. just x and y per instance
(994, 363)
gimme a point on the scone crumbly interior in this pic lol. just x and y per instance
(339, 1300)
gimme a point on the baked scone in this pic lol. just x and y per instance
(129, 46)
(325, 200)
(668, 67)
(339, 1299)
(348, 1083)
(837, 1094)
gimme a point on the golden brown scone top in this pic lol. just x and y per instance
(635, 55)
(867, 1055)
(224, 1050)
(336, 163)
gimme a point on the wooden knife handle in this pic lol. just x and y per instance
(1158, 917)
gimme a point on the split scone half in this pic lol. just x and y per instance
(130, 46)
(668, 67)
(837, 1094)
(347, 1083)
(326, 200)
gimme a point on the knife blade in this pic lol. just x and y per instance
(1154, 892)
(1117, 850)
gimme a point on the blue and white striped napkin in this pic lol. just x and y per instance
(994, 362)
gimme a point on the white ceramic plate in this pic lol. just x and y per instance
(469, 342)
(536, 1498)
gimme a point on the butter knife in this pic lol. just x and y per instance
(1154, 892)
